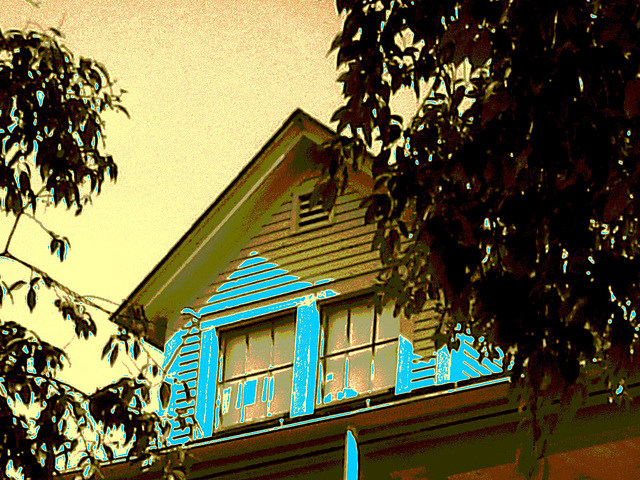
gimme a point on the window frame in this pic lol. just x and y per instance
(243, 329)
(349, 304)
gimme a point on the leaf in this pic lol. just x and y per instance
(165, 395)
(31, 298)
(109, 452)
(136, 349)
(329, 195)
(123, 110)
(25, 184)
(93, 329)
(179, 474)
(378, 238)
(632, 98)
(372, 210)
(25, 394)
(338, 114)
(103, 70)
(16, 285)
(107, 347)
(114, 355)
(403, 228)
(481, 50)
(47, 280)
(394, 237)
(337, 43)
(617, 202)
(494, 106)
(446, 53)
(316, 196)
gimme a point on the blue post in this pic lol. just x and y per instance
(305, 362)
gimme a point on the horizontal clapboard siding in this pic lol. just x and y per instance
(339, 250)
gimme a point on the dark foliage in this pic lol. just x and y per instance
(50, 108)
(44, 422)
(512, 196)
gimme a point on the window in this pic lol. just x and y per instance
(256, 372)
(308, 217)
(358, 352)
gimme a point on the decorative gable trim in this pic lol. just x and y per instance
(254, 280)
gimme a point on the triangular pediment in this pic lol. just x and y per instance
(256, 279)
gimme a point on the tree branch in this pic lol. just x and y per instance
(103, 299)
(59, 285)
(38, 222)
(13, 230)
(15, 224)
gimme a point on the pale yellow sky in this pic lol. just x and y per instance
(209, 82)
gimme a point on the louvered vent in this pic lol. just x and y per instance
(308, 216)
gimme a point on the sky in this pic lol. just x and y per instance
(209, 82)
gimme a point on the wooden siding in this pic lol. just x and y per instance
(341, 250)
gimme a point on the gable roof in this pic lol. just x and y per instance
(212, 242)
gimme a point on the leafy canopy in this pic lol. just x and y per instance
(511, 196)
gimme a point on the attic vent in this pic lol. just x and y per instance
(307, 216)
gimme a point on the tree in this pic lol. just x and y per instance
(52, 154)
(511, 197)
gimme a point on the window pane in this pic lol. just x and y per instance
(360, 371)
(281, 399)
(283, 337)
(229, 411)
(259, 354)
(257, 409)
(236, 350)
(384, 366)
(361, 325)
(388, 326)
(336, 332)
(353, 372)
(334, 378)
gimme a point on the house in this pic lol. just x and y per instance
(282, 367)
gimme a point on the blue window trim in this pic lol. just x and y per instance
(305, 361)
(412, 371)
